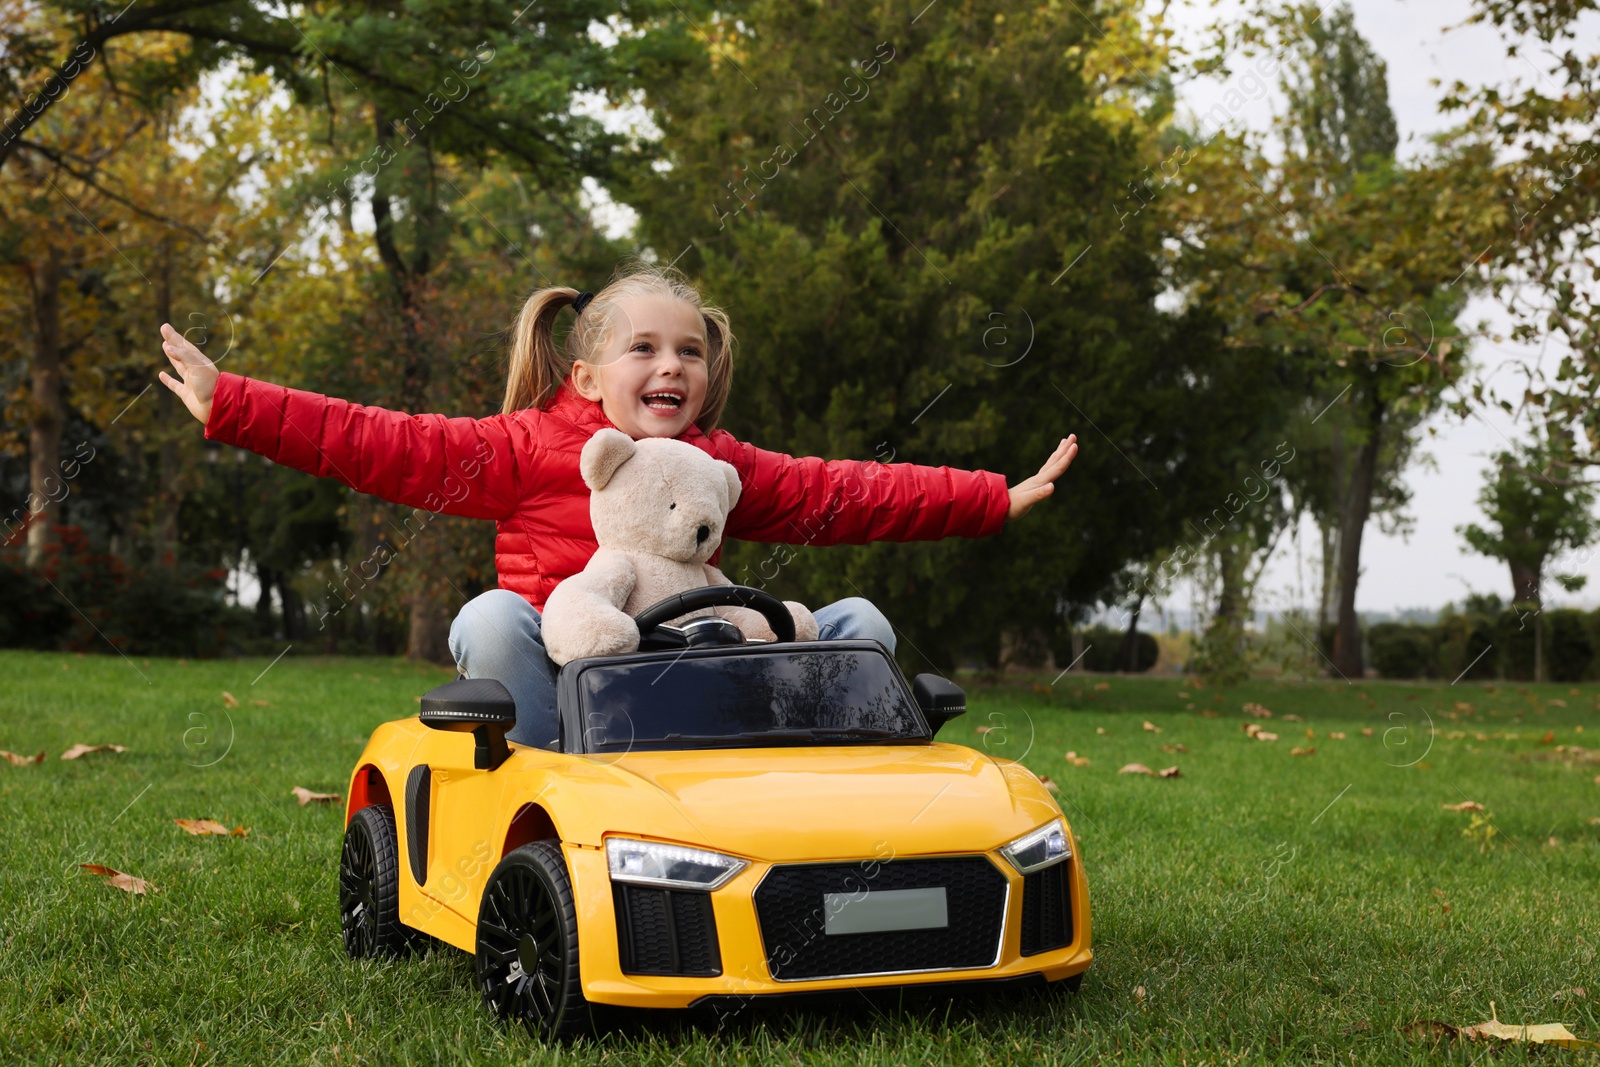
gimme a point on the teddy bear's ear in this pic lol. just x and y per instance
(602, 455)
(734, 488)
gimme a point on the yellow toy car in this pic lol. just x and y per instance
(720, 821)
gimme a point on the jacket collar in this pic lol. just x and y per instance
(587, 415)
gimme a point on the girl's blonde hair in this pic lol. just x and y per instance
(538, 366)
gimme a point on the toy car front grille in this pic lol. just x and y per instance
(1046, 910)
(666, 931)
(792, 914)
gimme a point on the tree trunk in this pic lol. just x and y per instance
(45, 487)
(430, 630)
(1525, 589)
(169, 492)
(1330, 550)
(1354, 510)
(1128, 656)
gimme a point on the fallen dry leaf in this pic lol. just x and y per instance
(1549, 736)
(1077, 760)
(1151, 727)
(1258, 711)
(1048, 784)
(229, 699)
(306, 796)
(1575, 991)
(1310, 751)
(1139, 993)
(1535, 1034)
(81, 749)
(125, 882)
(1465, 805)
(1174, 748)
(1366, 731)
(1293, 718)
(1136, 768)
(261, 703)
(21, 761)
(1169, 772)
(1208, 713)
(1557, 703)
(199, 827)
(1102, 686)
(1336, 735)
(1595, 821)
(1102, 729)
(980, 729)
(1263, 735)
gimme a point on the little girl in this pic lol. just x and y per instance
(645, 356)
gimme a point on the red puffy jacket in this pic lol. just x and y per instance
(521, 470)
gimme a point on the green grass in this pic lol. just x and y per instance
(1262, 907)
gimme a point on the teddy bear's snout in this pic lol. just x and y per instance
(701, 534)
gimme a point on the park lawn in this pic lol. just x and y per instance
(1261, 907)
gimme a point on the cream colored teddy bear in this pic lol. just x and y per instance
(658, 507)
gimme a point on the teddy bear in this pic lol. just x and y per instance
(658, 508)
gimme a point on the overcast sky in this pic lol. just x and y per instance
(1431, 566)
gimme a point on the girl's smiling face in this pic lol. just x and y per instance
(651, 378)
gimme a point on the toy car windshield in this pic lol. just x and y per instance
(746, 699)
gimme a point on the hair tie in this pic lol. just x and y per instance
(581, 302)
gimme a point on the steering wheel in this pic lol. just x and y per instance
(652, 620)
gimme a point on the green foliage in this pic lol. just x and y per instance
(1535, 510)
(86, 600)
(1103, 650)
(1403, 650)
(926, 240)
(1466, 641)
(1569, 647)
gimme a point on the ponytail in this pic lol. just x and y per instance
(539, 366)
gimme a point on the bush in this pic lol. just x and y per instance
(32, 615)
(1568, 648)
(1103, 650)
(82, 600)
(1403, 650)
(1464, 645)
(1514, 638)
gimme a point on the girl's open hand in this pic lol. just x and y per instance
(197, 375)
(1025, 494)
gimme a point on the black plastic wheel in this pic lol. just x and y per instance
(527, 963)
(369, 887)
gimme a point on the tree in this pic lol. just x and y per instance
(925, 235)
(1536, 511)
(1340, 258)
(1541, 262)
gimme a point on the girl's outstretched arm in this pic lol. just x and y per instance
(805, 500)
(471, 467)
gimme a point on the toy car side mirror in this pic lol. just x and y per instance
(939, 698)
(479, 706)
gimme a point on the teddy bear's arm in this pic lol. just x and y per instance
(753, 624)
(584, 615)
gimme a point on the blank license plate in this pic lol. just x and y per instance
(879, 911)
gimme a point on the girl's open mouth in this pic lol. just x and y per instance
(666, 403)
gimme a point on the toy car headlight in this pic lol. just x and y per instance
(1037, 850)
(668, 866)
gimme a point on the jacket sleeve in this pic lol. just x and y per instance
(809, 501)
(453, 466)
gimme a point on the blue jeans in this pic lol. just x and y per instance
(497, 636)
